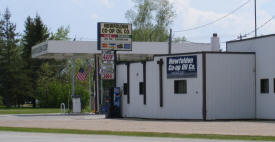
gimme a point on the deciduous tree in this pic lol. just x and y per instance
(151, 20)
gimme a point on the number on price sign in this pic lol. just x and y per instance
(107, 76)
(108, 57)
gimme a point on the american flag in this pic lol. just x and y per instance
(81, 75)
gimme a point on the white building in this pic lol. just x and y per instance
(264, 49)
(222, 87)
(196, 81)
(237, 84)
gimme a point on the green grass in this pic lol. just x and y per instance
(28, 110)
(141, 134)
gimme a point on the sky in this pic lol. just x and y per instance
(82, 16)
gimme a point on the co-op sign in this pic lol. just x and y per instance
(181, 66)
(114, 36)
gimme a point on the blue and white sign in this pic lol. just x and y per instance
(117, 97)
(181, 66)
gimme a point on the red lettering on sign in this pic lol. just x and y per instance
(108, 35)
(108, 76)
(108, 57)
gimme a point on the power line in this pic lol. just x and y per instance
(217, 20)
(266, 22)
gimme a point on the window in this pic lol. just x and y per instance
(180, 86)
(125, 88)
(264, 86)
(141, 88)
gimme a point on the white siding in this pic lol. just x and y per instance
(136, 100)
(182, 106)
(264, 48)
(121, 79)
(230, 81)
(175, 106)
(243, 46)
(265, 69)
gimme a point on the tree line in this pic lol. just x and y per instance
(45, 82)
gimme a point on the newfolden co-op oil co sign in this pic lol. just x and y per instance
(181, 66)
(114, 36)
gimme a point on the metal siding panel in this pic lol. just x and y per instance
(184, 106)
(230, 86)
(121, 79)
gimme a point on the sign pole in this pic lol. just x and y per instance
(115, 62)
(170, 42)
(101, 91)
(90, 88)
(97, 83)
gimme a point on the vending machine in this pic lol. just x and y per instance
(113, 103)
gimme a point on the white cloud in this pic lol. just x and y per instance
(240, 22)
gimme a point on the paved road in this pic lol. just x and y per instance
(98, 122)
(42, 137)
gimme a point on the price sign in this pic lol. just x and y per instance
(114, 36)
(108, 55)
(107, 66)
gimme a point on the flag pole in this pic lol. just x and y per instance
(72, 76)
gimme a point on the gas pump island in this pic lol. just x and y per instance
(113, 37)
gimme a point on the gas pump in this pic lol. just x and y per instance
(113, 105)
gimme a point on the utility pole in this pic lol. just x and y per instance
(255, 4)
(170, 42)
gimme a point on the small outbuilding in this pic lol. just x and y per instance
(206, 85)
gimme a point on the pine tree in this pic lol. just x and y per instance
(12, 77)
(35, 32)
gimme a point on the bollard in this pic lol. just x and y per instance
(62, 108)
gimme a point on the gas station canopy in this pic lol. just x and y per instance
(75, 49)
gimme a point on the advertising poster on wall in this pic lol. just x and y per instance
(181, 66)
(114, 36)
(117, 97)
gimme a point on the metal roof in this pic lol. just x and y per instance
(68, 49)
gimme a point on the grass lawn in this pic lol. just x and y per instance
(142, 134)
(28, 110)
